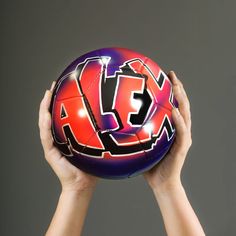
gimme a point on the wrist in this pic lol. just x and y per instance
(77, 191)
(79, 186)
(76, 197)
(171, 187)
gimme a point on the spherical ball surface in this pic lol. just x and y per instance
(111, 113)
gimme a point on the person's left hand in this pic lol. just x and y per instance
(167, 173)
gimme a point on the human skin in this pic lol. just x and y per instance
(164, 179)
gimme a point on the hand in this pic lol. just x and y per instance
(71, 178)
(167, 173)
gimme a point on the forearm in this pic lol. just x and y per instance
(70, 213)
(178, 215)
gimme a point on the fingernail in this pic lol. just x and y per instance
(46, 93)
(173, 73)
(177, 111)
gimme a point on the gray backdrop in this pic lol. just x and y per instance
(194, 38)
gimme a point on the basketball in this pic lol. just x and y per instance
(111, 113)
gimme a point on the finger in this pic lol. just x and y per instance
(183, 139)
(187, 113)
(182, 99)
(173, 78)
(176, 82)
(45, 122)
(44, 105)
(53, 85)
(182, 135)
(179, 125)
(184, 107)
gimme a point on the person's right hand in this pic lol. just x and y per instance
(71, 178)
